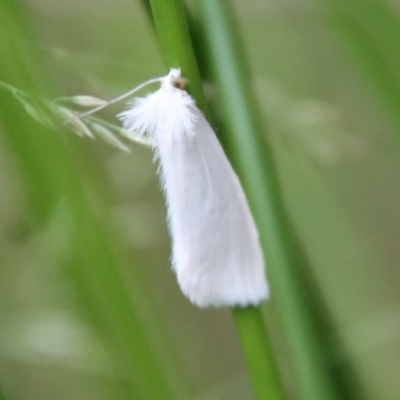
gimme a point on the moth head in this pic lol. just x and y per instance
(174, 78)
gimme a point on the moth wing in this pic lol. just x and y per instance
(216, 251)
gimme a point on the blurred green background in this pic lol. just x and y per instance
(331, 118)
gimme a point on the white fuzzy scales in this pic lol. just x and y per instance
(216, 251)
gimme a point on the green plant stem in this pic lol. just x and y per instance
(253, 161)
(258, 352)
(172, 29)
(174, 38)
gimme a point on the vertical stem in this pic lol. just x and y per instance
(253, 161)
(173, 33)
(257, 350)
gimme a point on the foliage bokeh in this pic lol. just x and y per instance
(336, 149)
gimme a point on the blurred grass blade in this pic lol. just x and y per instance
(254, 163)
(370, 32)
(50, 169)
(135, 359)
(173, 33)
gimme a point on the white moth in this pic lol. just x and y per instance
(216, 252)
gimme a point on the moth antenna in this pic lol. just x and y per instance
(119, 98)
